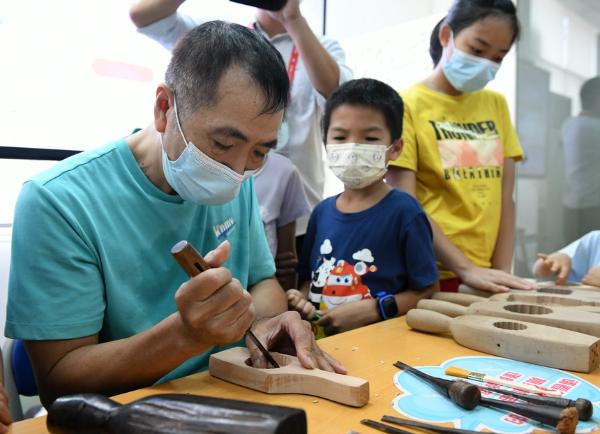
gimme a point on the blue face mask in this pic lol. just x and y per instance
(198, 178)
(468, 73)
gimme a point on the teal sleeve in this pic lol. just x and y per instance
(55, 286)
(262, 265)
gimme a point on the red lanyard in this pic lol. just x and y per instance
(292, 65)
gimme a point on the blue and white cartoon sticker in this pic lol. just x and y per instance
(422, 402)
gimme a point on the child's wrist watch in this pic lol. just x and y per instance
(386, 305)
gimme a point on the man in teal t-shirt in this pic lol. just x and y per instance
(93, 290)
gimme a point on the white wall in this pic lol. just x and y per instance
(352, 18)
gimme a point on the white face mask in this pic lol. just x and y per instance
(198, 178)
(357, 165)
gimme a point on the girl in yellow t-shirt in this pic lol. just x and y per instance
(460, 147)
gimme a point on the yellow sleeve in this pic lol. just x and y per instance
(408, 158)
(510, 140)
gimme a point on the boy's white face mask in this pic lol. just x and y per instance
(357, 165)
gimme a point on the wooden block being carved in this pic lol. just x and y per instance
(230, 365)
(555, 316)
(527, 342)
(454, 297)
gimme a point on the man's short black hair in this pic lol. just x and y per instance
(368, 92)
(207, 52)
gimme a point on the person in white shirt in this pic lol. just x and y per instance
(577, 262)
(316, 67)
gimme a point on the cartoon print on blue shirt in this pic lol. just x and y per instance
(343, 282)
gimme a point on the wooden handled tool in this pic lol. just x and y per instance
(575, 286)
(383, 427)
(427, 426)
(546, 299)
(462, 393)
(454, 297)
(551, 397)
(565, 420)
(445, 307)
(193, 264)
(527, 342)
(584, 407)
(230, 365)
(554, 316)
(570, 291)
(562, 316)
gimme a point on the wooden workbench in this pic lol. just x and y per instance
(367, 352)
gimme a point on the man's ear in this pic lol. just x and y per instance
(162, 105)
(396, 149)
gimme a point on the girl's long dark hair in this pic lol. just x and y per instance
(464, 13)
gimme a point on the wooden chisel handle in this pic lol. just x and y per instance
(428, 321)
(444, 307)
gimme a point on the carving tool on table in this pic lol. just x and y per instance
(193, 264)
(454, 371)
(428, 426)
(383, 427)
(584, 406)
(462, 394)
(413, 424)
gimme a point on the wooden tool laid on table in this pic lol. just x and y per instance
(583, 286)
(527, 342)
(551, 397)
(445, 307)
(463, 373)
(455, 297)
(581, 303)
(552, 315)
(542, 287)
(412, 423)
(231, 365)
(564, 420)
(427, 426)
(569, 291)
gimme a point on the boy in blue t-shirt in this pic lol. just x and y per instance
(577, 262)
(368, 253)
